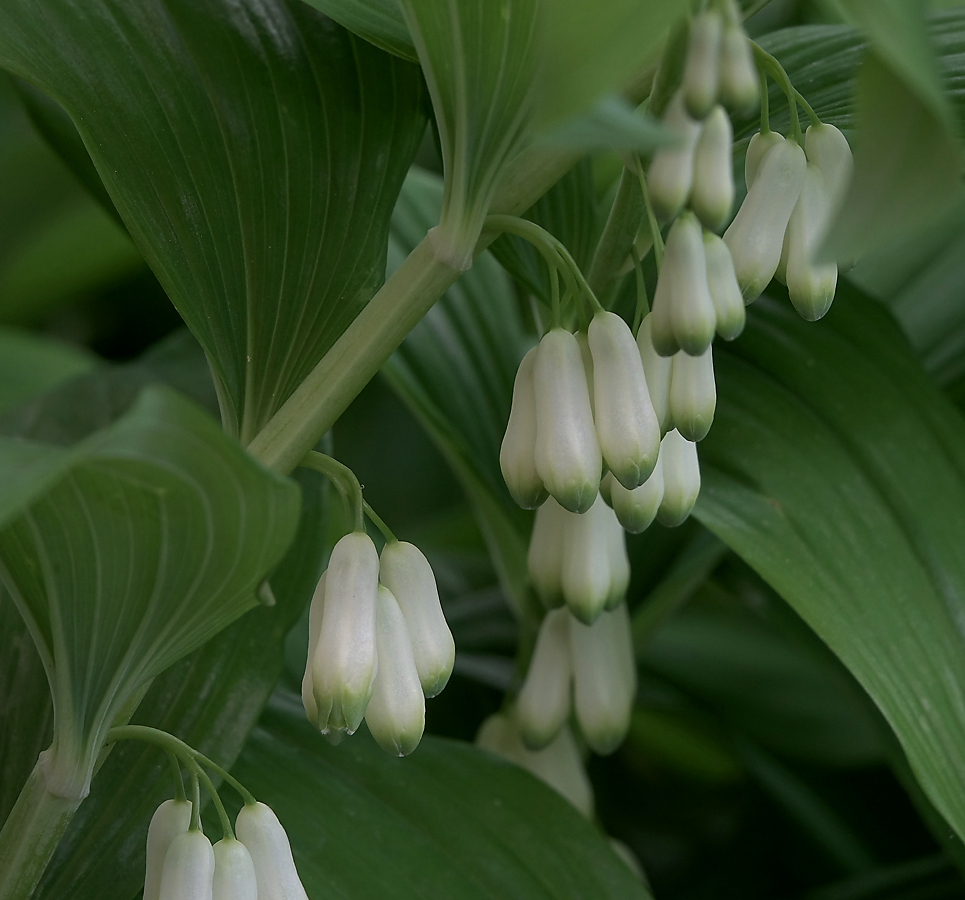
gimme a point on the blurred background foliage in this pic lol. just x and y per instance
(756, 767)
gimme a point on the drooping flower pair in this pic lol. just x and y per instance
(378, 643)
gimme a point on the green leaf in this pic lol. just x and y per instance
(380, 22)
(836, 469)
(609, 124)
(450, 821)
(30, 365)
(131, 550)
(254, 152)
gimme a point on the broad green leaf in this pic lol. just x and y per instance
(835, 468)
(129, 551)
(254, 152)
(611, 123)
(449, 821)
(30, 365)
(380, 22)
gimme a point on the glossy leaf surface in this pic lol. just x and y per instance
(378, 21)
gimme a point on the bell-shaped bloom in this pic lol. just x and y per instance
(828, 149)
(671, 171)
(405, 571)
(604, 678)
(314, 630)
(234, 872)
(656, 368)
(592, 542)
(568, 457)
(683, 316)
(810, 284)
(626, 425)
(396, 714)
(188, 870)
(171, 818)
(693, 394)
(636, 509)
(756, 235)
(517, 454)
(343, 666)
(543, 705)
(701, 67)
(725, 292)
(739, 82)
(759, 144)
(559, 764)
(262, 834)
(712, 194)
(544, 561)
(681, 479)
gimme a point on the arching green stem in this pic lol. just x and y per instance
(643, 303)
(765, 104)
(651, 216)
(226, 828)
(344, 480)
(769, 64)
(195, 802)
(377, 519)
(176, 774)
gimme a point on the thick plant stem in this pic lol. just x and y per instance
(29, 837)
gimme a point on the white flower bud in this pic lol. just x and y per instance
(725, 292)
(343, 667)
(810, 285)
(618, 559)
(759, 144)
(543, 705)
(234, 872)
(756, 235)
(681, 479)
(604, 685)
(683, 313)
(188, 870)
(559, 765)
(626, 425)
(671, 171)
(606, 485)
(656, 368)
(262, 834)
(739, 83)
(702, 64)
(693, 394)
(396, 714)
(315, 610)
(636, 509)
(583, 339)
(171, 818)
(587, 579)
(517, 454)
(712, 194)
(828, 149)
(568, 457)
(405, 571)
(544, 561)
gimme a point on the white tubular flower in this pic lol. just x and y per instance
(396, 714)
(626, 425)
(810, 285)
(703, 59)
(188, 870)
(712, 194)
(619, 561)
(681, 479)
(343, 667)
(314, 630)
(234, 872)
(636, 509)
(587, 576)
(683, 313)
(262, 834)
(517, 454)
(756, 235)
(405, 571)
(544, 561)
(828, 149)
(171, 818)
(725, 292)
(759, 144)
(559, 765)
(543, 705)
(583, 339)
(656, 368)
(568, 457)
(671, 171)
(604, 686)
(693, 394)
(739, 84)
